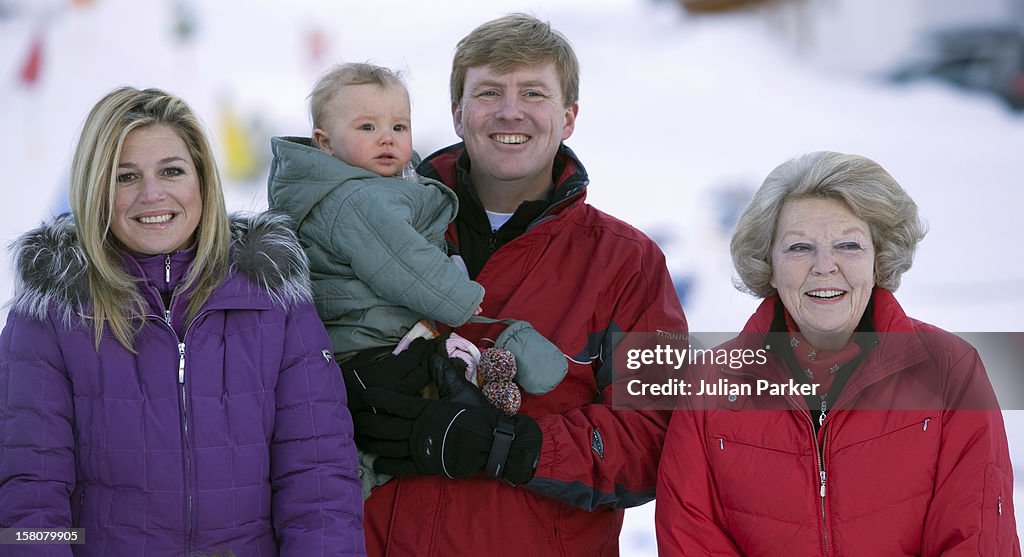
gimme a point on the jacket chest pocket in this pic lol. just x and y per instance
(884, 462)
(737, 416)
(763, 464)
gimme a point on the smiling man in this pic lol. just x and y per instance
(554, 478)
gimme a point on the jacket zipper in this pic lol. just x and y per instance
(819, 453)
(167, 280)
(821, 473)
(190, 502)
(190, 499)
(190, 510)
(182, 392)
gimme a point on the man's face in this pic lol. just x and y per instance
(512, 124)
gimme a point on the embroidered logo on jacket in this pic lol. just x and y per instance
(597, 443)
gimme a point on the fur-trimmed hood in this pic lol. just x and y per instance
(51, 269)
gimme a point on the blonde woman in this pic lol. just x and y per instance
(165, 382)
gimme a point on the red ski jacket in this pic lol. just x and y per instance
(913, 460)
(579, 276)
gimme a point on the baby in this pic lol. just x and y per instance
(372, 228)
(375, 242)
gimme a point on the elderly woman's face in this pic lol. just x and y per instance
(158, 203)
(823, 267)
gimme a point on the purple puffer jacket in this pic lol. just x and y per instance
(231, 434)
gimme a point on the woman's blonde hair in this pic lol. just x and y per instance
(115, 298)
(870, 193)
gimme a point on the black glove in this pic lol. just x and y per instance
(407, 373)
(414, 436)
(449, 375)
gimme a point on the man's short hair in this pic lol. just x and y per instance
(511, 42)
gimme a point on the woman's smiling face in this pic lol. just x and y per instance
(823, 266)
(158, 203)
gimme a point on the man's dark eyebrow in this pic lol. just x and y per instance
(492, 83)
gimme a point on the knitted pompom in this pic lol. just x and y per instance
(497, 364)
(504, 395)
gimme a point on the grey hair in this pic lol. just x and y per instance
(866, 188)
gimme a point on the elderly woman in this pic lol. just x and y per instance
(892, 444)
(165, 382)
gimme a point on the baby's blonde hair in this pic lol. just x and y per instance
(344, 75)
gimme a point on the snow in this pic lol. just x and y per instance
(680, 117)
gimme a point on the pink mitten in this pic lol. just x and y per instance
(458, 347)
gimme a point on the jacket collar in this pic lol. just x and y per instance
(451, 166)
(301, 175)
(898, 346)
(51, 269)
(163, 271)
(887, 315)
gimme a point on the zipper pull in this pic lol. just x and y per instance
(167, 268)
(181, 363)
(822, 472)
(721, 443)
(999, 505)
(821, 418)
(926, 423)
(167, 316)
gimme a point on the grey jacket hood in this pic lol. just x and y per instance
(301, 176)
(51, 269)
(297, 161)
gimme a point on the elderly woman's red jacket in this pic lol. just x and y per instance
(913, 460)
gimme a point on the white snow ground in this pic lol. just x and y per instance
(678, 114)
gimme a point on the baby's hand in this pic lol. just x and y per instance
(479, 310)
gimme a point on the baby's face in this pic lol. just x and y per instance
(369, 126)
